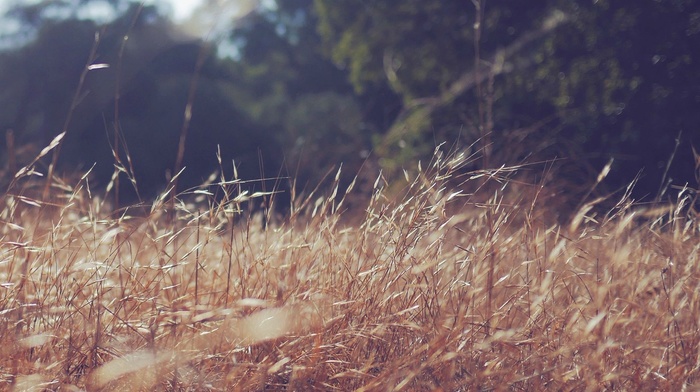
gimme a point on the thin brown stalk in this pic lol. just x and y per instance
(11, 152)
(77, 96)
(204, 51)
(117, 98)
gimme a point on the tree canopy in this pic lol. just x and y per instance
(317, 82)
(611, 79)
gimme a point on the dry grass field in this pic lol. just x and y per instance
(435, 289)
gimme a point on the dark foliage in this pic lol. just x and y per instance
(317, 82)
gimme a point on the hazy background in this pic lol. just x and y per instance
(292, 88)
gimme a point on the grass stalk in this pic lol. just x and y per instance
(440, 287)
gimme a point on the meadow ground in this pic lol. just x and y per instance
(438, 289)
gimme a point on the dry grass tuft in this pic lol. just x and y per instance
(436, 290)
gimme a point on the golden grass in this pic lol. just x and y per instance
(432, 291)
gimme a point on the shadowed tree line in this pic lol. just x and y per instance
(316, 83)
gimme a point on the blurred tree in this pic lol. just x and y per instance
(154, 75)
(614, 79)
(288, 84)
(623, 80)
(425, 52)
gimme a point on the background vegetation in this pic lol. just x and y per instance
(302, 85)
